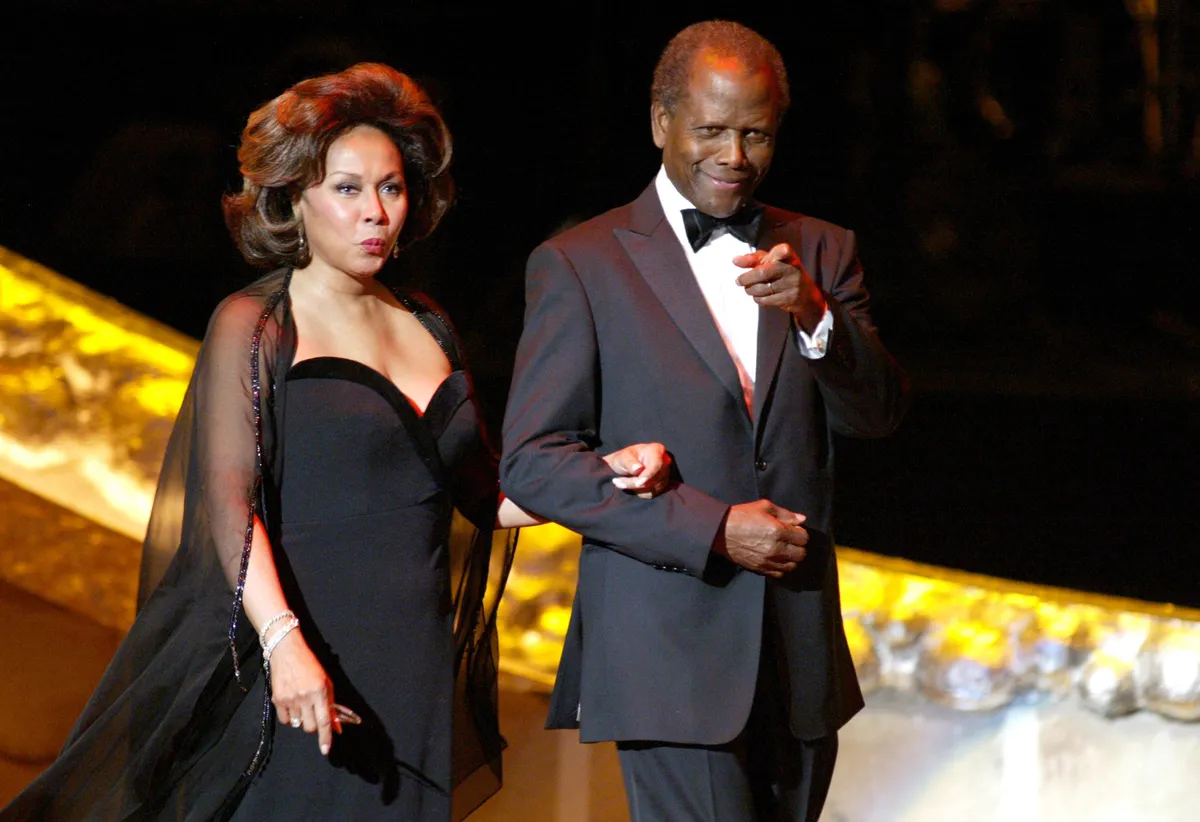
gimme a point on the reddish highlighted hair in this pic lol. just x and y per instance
(283, 152)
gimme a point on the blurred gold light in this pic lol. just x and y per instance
(88, 392)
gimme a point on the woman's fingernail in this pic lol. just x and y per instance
(325, 750)
(635, 466)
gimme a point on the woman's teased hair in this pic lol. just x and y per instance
(283, 152)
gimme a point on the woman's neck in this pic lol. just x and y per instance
(329, 285)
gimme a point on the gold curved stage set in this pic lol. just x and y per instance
(986, 699)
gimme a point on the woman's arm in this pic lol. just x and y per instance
(300, 688)
(510, 516)
(226, 450)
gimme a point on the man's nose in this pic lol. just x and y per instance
(732, 153)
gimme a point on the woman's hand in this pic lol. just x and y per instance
(301, 690)
(644, 468)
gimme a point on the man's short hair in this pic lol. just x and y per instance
(725, 38)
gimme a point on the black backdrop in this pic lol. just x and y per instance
(1034, 270)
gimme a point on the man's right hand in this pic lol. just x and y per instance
(762, 537)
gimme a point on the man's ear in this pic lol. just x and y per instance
(660, 119)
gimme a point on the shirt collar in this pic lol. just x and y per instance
(673, 203)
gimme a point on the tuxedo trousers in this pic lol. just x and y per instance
(764, 775)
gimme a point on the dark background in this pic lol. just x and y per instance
(1030, 246)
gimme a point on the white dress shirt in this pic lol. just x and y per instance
(733, 310)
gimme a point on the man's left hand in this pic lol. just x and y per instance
(777, 278)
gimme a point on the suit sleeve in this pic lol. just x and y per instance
(551, 426)
(865, 391)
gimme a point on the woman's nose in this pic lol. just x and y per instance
(373, 208)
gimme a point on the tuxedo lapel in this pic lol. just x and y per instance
(774, 325)
(658, 257)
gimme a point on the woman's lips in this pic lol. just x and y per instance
(373, 246)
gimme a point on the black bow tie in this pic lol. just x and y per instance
(700, 227)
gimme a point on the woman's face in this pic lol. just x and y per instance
(353, 217)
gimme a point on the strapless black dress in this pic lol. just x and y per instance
(363, 561)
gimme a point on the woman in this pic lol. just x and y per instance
(328, 430)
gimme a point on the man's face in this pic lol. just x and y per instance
(718, 144)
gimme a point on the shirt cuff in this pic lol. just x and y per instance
(814, 347)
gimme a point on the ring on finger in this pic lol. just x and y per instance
(296, 722)
(770, 286)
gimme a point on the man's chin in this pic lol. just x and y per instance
(718, 203)
(724, 207)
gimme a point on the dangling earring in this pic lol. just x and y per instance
(396, 250)
(301, 243)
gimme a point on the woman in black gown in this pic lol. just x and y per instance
(326, 439)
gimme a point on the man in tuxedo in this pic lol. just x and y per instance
(706, 637)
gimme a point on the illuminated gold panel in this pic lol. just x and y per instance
(66, 558)
(88, 393)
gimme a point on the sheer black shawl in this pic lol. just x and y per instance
(155, 740)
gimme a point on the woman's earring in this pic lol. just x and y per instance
(302, 242)
(396, 250)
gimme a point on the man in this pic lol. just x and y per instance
(706, 637)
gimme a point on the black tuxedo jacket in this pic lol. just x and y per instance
(619, 347)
